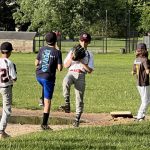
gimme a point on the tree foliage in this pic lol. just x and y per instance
(72, 17)
(143, 8)
(7, 8)
(145, 19)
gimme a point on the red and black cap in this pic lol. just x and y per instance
(85, 37)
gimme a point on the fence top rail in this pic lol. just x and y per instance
(17, 35)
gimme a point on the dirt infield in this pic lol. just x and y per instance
(90, 119)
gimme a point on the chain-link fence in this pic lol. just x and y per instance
(98, 44)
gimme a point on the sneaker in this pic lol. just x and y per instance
(41, 103)
(4, 135)
(76, 123)
(45, 127)
(139, 119)
(65, 108)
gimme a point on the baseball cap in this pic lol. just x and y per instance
(51, 37)
(141, 46)
(6, 47)
(85, 37)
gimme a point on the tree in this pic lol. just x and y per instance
(73, 17)
(7, 8)
(46, 15)
(144, 9)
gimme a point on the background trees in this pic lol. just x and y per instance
(72, 17)
(7, 8)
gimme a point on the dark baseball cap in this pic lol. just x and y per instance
(6, 47)
(51, 38)
(141, 46)
(85, 37)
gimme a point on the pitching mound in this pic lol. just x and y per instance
(87, 120)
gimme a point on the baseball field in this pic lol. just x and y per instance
(111, 87)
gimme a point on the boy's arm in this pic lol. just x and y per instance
(134, 71)
(147, 66)
(59, 61)
(147, 71)
(15, 79)
(13, 72)
(68, 60)
(90, 66)
(36, 62)
(87, 68)
(59, 67)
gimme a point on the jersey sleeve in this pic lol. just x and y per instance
(12, 71)
(91, 61)
(67, 57)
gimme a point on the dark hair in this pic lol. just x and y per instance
(141, 53)
(141, 50)
(51, 38)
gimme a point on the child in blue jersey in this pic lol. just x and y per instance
(48, 60)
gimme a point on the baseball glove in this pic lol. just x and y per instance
(78, 53)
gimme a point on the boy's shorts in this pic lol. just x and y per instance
(48, 87)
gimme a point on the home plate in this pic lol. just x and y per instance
(124, 114)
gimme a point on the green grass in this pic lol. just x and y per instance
(119, 137)
(109, 88)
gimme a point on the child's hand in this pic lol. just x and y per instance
(133, 73)
(56, 46)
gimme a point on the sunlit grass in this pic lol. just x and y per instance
(135, 137)
(110, 87)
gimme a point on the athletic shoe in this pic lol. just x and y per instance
(65, 108)
(45, 127)
(41, 103)
(76, 123)
(4, 135)
(139, 119)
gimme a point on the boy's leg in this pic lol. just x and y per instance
(41, 101)
(48, 87)
(7, 101)
(79, 92)
(67, 82)
(46, 112)
(145, 99)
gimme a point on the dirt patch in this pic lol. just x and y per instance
(89, 119)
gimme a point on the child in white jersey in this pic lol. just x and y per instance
(76, 76)
(141, 68)
(7, 76)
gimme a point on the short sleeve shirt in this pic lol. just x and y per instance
(48, 58)
(88, 59)
(139, 67)
(7, 72)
